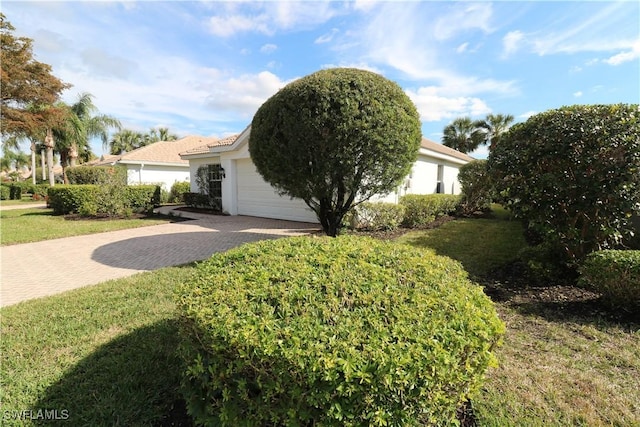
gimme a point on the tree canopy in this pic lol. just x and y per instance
(336, 138)
(466, 135)
(29, 89)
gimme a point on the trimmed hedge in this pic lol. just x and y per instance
(345, 331)
(616, 275)
(97, 175)
(375, 216)
(65, 199)
(5, 193)
(422, 209)
(92, 200)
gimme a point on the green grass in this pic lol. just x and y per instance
(106, 353)
(479, 244)
(33, 225)
(25, 201)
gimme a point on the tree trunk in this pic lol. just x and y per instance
(33, 162)
(42, 164)
(49, 143)
(73, 156)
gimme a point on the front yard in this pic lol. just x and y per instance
(36, 224)
(105, 354)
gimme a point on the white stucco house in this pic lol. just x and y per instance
(158, 163)
(242, 191)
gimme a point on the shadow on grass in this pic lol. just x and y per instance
(560, 302)
(131, 380)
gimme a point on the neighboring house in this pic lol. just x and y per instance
(157, 163)
(232, 177)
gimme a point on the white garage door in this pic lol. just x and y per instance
(257, 198)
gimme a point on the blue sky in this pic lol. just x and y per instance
(206, 67)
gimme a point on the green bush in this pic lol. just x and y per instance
(40, 192)
(422, 209)
(66, 199)
(97, 175)
(375, 216)
(477, 188)
(5, 193)
(177, 192)
(345, 331)
(573, 175)
(143, 198)
(15, 192)
(199, 200)
(615, 274)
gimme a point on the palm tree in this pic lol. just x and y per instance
(493, 127)
(463, 135)
(82, 123)
(124, 141)
(161, 134)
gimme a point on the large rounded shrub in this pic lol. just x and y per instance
(348, 331)
(573, 175)
(334, 137)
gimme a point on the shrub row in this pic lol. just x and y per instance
(375, 216)
(97, 175)
(422, 209)
(15, 190)
(615, 274)
(345, 331)
(91, 200)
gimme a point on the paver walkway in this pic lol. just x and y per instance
(34, 270)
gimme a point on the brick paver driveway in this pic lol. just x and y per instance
(33, 270)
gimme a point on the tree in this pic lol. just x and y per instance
(573, 175)
(160, 134)
(493, 127)
(82, 122)
(124, 141)
(28, 87)
(463, 134)
(334, 139)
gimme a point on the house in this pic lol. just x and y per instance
(157, 163)
(234, 180)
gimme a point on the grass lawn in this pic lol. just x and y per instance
(35, 224)
(106, 353)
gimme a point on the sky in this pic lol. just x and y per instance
(205, 67)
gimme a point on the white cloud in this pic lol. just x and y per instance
(462, 48)
(433, 105)
(463, 17)
(511, 42)
(244, 94)
(101, 63)
(622, 57)
(527, 114)
(270, 17)
(326, 38)
(268, 48)
(577, 94)
(225, 26)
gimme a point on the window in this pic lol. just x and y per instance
(215, 173)
(440, 179)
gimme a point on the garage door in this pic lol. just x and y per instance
(258, 198)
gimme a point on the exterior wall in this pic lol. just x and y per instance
(194, 164)
(423, 179)
(156, 174)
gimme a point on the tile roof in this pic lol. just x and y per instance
(203, 149)
(443, 149)
(161, 151)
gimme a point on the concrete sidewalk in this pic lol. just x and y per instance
(34, 270)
